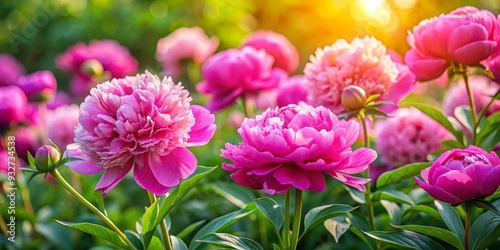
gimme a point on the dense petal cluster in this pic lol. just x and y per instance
(293, 146)
(465, 36)
(143, 123)
(10, 70)
(460, 175)
(61, 123)
(184, 43)
(410, 136)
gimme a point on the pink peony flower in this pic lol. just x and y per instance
(292, 91)
(408, 137)
(27, 140)
(363, 62)
(493, 62)
(460, 175)
(39, 86)
(184, 43)
(61, 124)
(10, 70)
(293, 146)
(278, 46)
(482, 90)
(465, 36)
(140, 123)
(237, 72)
(60, 99)
(13, 104)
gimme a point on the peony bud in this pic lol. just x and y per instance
(353, 97)
(46, 157)
(92, 67)
(39, 86)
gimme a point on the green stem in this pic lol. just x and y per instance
(296, 219)
(467, 225)
(286, 229)
(91, 207)
(368, 199)
(472, 107)
(485, 109)
(163, 225)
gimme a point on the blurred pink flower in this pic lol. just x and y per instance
(363, 62)
(233, 73)
(4, 158)
(184, 43)
(493, 62)
(13, 105)
(466, 36)
(39, 86)
(60, 99)
(292, 91)
(278, 46)
(482, 90)
(61, 123)
(293, 146)
(140, 123)
(460, 175)
(408, 137)
(27, 140)
(10, 70)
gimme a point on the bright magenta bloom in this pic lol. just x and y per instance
(232, 73)
(140, 123)
(292, 91)
(10, 70)
(13, 105)
(184, 43)
(363, 62)
(293, 146)
(466, 36)
(460, 175)
(278, 46)
(61, 123)
(40, 86)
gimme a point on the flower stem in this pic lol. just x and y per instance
(296, 219)
(163, 225)
(485, 109)
(286, 229)
(467, 225)
(368, 199)
(248, 106)
(472, 107)
(91, 207)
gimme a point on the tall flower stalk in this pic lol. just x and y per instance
(163, 225)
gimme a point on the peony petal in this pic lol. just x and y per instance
(485, 179)
(111, 177)
(360, 159)
(203, 128)
(457, 183)
(291, 174)
(438, 193)
(474, 53)
(355, 182)
(170, 169)
(425, 68)
(147, 180)
(83, 167)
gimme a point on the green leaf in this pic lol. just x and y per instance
(134, 238)
(451, 218)
(356, 195)
(336, 227)
(177, 243)
(228, 240)
(486, 229)
(405, 240)
(222, 222)
(401, 174)
(463, 115)
(356, 231)
(371, 98)
(486, 205)
(55, 234)
(488, 133)
(393, 195)
(100, 201)
(155, 244)
(97, 231)
(273, 212)
(236, 194)
(318, 215)
(31, 160)
(438, 116)
(189, 229)
(148, 220)
(424, 209)
(393, 210)
(436, 232)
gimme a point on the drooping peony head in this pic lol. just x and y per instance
(184, 43)
(460, 175)
(232, 73)
(13, 105)
(363, 62)
(408, 137)
(10, 70)
(278, 46)
(140, 124)
(294, 146)
(465, 36)
(39, 86)
(61, 123)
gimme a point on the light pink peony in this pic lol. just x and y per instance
(293, 146)
(140, 123)
(184, 43)
(61, 123)
(13, 105)
(278, 46)
(10, 70)
(482, 90)
(233, 73)
(465, 36)
(460, 175)
(39, 86)
(363, 62)
(408, 137)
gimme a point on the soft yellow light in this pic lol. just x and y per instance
(371, 7)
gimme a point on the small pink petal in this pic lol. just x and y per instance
(85, 166)
(111, 177)
(203, 128)
(147, 180)
(170, 169)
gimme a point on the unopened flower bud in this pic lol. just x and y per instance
(92, 67)
(353, 97)
(46, 157)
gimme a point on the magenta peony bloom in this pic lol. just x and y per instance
(482, 90)
(278, 46)
(292, 91)
(13, 105)
(39, 86)
(184, 43)
(4, 158)
(465, 36)
(237, 72)
(140, 123)
(408, 137)
(363, 62)
(61, 124)
(27, 140)
(293, 146)
(10, 70)
(460, 175)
